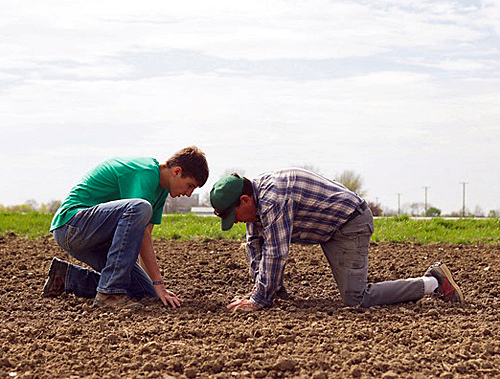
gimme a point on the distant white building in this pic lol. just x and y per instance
(203, 211)
(181, 204)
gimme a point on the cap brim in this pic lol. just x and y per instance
(227, 222)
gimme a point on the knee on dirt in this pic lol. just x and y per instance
(352, 299)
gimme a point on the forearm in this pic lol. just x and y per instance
(265, 287)
(274, 253)
(253, 248)
(147, 257)
(253, 254)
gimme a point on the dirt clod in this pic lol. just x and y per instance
(190, 373)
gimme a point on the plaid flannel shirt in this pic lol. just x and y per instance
(293, 206)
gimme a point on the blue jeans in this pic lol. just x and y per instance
(108, 238)
(347, 254)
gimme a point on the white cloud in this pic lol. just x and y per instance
(88, 31)
(6, 76)
(208, 101)
(490, 15)
(451, 65)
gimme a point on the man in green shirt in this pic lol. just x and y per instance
(106, 222)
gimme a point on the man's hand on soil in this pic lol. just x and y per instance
(241, 305)
(167, 297)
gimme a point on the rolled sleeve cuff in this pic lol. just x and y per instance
(259, 301)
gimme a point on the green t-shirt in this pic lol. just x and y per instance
(116, 179)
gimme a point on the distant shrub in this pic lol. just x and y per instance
(401, 218)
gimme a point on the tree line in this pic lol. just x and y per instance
(348, 178)
(31, 206)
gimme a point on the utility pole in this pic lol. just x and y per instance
(399, 204)
(425, 206)
(463, 197)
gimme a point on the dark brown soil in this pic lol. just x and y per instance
(311, 336)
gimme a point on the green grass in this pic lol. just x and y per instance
(437, 230)
(191, 226)
(394, 229)
(173, 226)
(31, 224)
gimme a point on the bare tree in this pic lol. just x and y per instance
(53, 206)
(352, 181)
(494, 213)
(389, 212)
(32, 203)
(232, 170)
(375, 208)
(478, 211)
(417, 209)
(205, 200)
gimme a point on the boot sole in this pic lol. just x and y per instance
(48, 283)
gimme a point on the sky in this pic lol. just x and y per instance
(404, 93)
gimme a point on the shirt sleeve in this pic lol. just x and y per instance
(253, 247)
(277, 230)
(158, 209)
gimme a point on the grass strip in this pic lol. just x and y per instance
(190, 226)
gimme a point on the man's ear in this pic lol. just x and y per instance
(177, 170)
(245, 199)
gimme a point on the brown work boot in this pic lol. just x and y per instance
(54, 285)
(117, 301)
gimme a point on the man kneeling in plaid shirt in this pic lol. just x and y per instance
(299, 206)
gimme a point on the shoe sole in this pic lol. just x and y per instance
(48, 282)
(444, 269)
(45, 291)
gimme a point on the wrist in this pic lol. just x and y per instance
(256, 306)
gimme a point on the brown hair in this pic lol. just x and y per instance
(193, 163)
(247, 186)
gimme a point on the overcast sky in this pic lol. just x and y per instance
(405, 93)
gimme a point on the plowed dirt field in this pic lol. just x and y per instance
(312, 335)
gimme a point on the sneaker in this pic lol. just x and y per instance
(117, 301)
(54, 285)
(447, 289)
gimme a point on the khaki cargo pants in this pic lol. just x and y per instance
(347, 254)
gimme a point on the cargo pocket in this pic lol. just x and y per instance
(356, 261)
